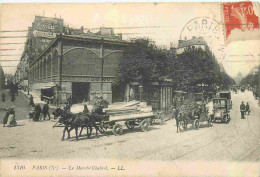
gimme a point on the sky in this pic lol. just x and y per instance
(165, 23)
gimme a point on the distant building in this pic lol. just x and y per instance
(197, 42)
(2, 78)
(238, 78)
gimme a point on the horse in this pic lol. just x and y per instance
(89, 120)
(67, 119)
(74, 121)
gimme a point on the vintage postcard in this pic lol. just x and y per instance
(130, 89)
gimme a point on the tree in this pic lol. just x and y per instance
(142, 62)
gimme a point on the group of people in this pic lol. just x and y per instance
(244, 109)
(11, 93)
(36, 111)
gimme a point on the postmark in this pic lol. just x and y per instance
(210, 30)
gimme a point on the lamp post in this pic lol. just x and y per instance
(141, 89)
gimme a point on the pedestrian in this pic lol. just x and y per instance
(12, 96)
(45, 110)
(85, 110)
(37, 112)
(31, 102)
(69, 101)
(242, 110)
(3, 97)
(247, 108)
(9, 118)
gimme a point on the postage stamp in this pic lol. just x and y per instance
(239, 15)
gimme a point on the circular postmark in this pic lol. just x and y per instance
(205, 31)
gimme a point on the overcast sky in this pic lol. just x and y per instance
(162, 22)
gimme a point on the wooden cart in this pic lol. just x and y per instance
(132, 114)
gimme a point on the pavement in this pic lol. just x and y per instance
(239, 140)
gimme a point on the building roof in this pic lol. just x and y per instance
(95, 38)
(190, 42)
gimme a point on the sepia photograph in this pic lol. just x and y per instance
(130, 89)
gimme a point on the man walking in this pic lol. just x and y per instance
(37, 112)
(45, 110)
(12, 96)
(247, 108)
(242, 110)
(31, 103)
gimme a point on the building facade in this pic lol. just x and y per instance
(71, 66)
(2, 78)
(197, 42)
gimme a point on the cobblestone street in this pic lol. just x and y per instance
(236, 141)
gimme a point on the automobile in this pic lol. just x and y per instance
(242, 89)
(226, 95)
(220, 110)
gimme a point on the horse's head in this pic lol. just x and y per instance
(61, 114)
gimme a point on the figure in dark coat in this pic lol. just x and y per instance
(3, 97)
(247, 108)
(45, 111)
(37, 112)
(10, 111)
(31, 103)
(69, 101)
(242, 110)
(12, 96)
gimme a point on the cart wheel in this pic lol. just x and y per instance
(130, 124)
(145, 125)
(117, 129)
(196, 124)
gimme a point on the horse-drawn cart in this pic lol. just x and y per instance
(193, 114)
(132, 114)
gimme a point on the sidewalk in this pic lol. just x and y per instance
(36, 99)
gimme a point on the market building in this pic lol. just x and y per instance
(71, 66)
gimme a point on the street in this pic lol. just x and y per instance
(236, 141)
(20, 103)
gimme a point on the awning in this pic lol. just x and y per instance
(46, 86)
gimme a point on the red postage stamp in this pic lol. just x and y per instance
(239, 15)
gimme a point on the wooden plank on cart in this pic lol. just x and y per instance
(130, 116)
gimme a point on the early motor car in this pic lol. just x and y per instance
(226, 95)
(220, 110)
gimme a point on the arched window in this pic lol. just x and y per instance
(44, 67)
(81, 62)
(49, 66)
(111, 63)
(40, 69)
(55, 63)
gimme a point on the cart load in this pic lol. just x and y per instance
(133, 113)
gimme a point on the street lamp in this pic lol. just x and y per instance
(141, 89)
